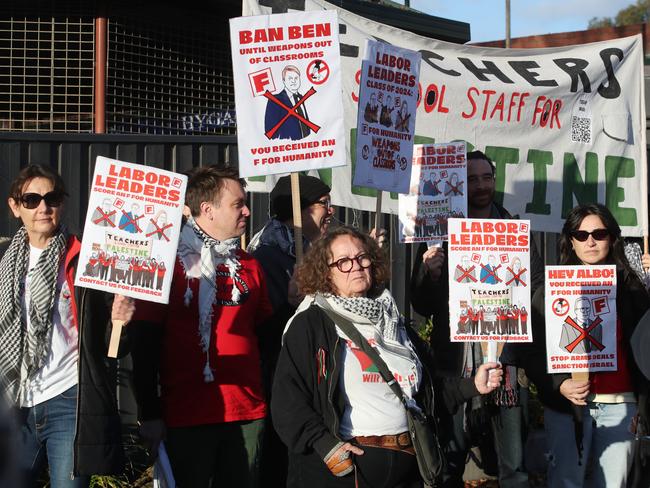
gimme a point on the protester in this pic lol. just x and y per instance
(587, 423)
(202, 346)
(275, 249)
(53, 366)
(328, 402)
(430, 298)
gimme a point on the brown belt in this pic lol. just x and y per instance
(398, 442)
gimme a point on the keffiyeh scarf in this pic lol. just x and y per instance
(25, 351)
(389, 330)
(200, 256)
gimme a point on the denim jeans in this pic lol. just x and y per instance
(226, 454)
(508, 428)
(607, 443)
(47, 434)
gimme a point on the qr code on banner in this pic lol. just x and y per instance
(581, 129)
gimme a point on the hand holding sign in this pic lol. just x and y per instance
(121, 313)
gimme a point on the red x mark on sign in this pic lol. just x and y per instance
(130, 221)
(584, 334)
(492, 273)
(516, 276)
(466, 273)
(104, 217)
(160, 232)
(291, 112)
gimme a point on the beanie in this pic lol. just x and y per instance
(311, 189)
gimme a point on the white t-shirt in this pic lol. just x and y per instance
(60, 370)
(371, 407)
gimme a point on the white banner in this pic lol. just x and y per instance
(564, 125)
(287, 75)
(437, 192)
(489, 280)
(386, 118)
(132, 229)
(581, 318)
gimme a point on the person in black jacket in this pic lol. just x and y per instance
(329, 403)
(53, 336)
(430, 298)
(588, 422)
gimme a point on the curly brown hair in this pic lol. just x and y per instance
(314, 272)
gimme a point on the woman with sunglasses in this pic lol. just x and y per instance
(588, 423)
(343, 424)
(53, 366)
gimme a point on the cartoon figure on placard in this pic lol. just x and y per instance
(104, 216)
(516, 274)
(582, 334)
(158, 227)
(129, 220)
(490, 271)
(463, 322)
(371, 112)
(402, 118)
(315, 74)
(430, 185)
(465, 272)
(453, 187)
(160, 273)
(286, 111)
(523, 316)
(385, 117)
(92, 266)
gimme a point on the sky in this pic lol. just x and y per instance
(527, 17)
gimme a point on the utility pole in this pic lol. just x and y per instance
(507, 24)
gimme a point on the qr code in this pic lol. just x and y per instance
(581, 129)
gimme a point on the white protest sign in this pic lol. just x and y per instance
(564, 125)
(287, 76)
(386, 118)
(489, 280)
(131, 231)
(580, 305)
(437, 192)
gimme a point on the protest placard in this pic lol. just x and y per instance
(489, 280)
(437, 192)
(386, 117)
(131, 230)
(288, 96)
(564, 125)
(580, 306)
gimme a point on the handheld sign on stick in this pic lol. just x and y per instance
(131, 233)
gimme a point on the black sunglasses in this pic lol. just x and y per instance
(33, 200)
(583, 235)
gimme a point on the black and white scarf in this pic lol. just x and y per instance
(24, 352)
(200, 256)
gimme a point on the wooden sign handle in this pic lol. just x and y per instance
(114, 343)
(297, 215)
(580, 375)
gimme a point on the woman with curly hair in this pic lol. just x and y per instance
(342, 423)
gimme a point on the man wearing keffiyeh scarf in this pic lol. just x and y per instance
(202, 347)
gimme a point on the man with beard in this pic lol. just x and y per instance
(430, 296)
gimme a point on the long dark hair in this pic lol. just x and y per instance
(572, 223)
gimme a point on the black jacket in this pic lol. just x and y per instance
(98, 434)
(307, 403)
(431, 299)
